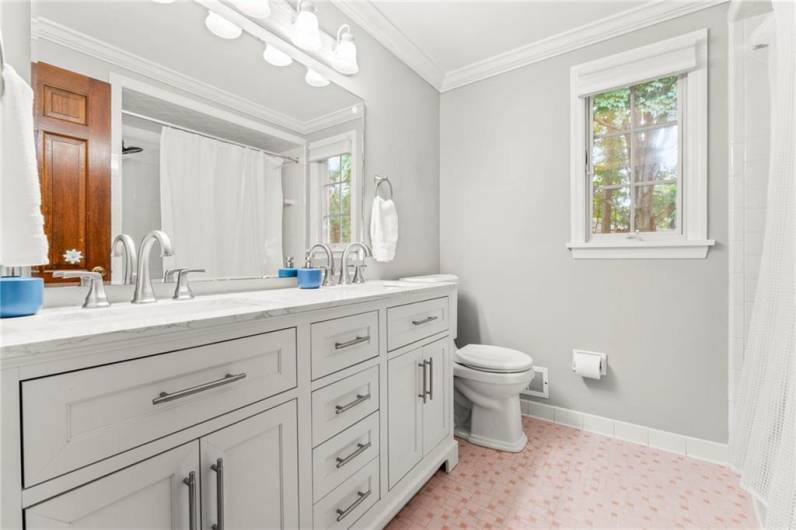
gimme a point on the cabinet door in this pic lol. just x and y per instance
(150, 494)
(250, 472)
(404, 382)
(436, 411)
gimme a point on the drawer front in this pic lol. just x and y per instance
(347, 503)
(73, 419)
(342, 404)
(343, 342)
(413, 322)
(340, 457)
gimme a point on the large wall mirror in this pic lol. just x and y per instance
(147, 120)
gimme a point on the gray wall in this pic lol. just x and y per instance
(504, 179)
(402, 124)
(15, 30)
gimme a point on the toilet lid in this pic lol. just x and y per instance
(493, 358)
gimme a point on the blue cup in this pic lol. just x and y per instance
(309, 278)
(20, 296)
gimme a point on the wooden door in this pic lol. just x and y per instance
(405, 408)
(73, 132)
(436, 411)
(147, 495)
(258, 473)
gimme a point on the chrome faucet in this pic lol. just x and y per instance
(359, 277)
(124, 245)
(143, 282)
(329, 272)
(96, 296)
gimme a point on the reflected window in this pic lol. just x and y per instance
(336, 220)
(635, 158)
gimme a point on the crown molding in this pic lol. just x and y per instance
(368, 17)
(336, 117)
(45, 29)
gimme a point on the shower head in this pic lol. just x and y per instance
(130, 150)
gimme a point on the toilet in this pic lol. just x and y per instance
(487, 385)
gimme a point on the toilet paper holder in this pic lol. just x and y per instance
(603, 358)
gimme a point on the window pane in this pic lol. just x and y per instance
(333, 165)
(655, 154)
(655, 102)
(611, 161)
(656, 207)
(345, 167)
(334, 230)
(611, 210)
(611, 112)
(333, 199)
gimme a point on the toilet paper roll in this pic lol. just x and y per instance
(587, 366)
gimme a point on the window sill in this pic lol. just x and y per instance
(634, 249)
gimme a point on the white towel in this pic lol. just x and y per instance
(383, 229)
(22, 239)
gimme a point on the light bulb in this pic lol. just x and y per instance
(221, 27)
(306, 34)
(254, 8)
(345, 52)
(315, 79)
(276, 57)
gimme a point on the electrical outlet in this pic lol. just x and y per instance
(539, 385)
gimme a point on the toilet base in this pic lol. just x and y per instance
(500, 445)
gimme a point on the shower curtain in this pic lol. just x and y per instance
(763, 442)
(221, 204)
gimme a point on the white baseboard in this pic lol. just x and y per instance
(698, 448)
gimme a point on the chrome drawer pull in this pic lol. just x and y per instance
(218, 467)
(425, 320)
(164, 397)
(361, 448)
(423, 393)
(190, 481)
(430, 391)
(352, 342)
(339, 409)
(341, 514)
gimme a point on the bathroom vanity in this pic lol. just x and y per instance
(282, 408)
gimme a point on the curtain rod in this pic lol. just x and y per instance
(174, 126)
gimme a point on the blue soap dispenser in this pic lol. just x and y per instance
(289, 270)
(309, 277)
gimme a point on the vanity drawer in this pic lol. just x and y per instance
(413, 322)
(341, 456)
(73, 419)
(342, 404)
(347, 503)
(343, 342)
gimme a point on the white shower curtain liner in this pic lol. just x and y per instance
(763, 442)
(221, 204)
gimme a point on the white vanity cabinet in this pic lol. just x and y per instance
(329, 411)
(419, 405)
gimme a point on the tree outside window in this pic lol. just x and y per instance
(337, 220)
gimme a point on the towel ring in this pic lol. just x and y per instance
(383, 180)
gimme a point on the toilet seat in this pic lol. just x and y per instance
(493, 359)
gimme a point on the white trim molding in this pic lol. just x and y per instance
(707, 450)
(368, 17)
(683, 55)
(48, 30)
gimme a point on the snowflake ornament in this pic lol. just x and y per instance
(73, 256)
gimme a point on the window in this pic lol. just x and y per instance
(336, 227)
(634, 158)
(639, 153)
(334, 190)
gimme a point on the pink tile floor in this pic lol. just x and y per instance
(567, 478)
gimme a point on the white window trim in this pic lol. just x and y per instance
(686, 54)
(317, 150)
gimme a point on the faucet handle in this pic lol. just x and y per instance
(169, 274)
(183, 290)
(96, 296)
(359, 273)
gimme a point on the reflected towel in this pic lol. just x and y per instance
(383, 229)
(22, 239)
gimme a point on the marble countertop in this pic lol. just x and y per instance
(56, 328)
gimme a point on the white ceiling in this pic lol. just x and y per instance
(456, 34)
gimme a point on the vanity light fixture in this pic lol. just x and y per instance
(315, 79)
(345, 52)
(221, 27)
(306, 33)
(254, 8)
(276, 57)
